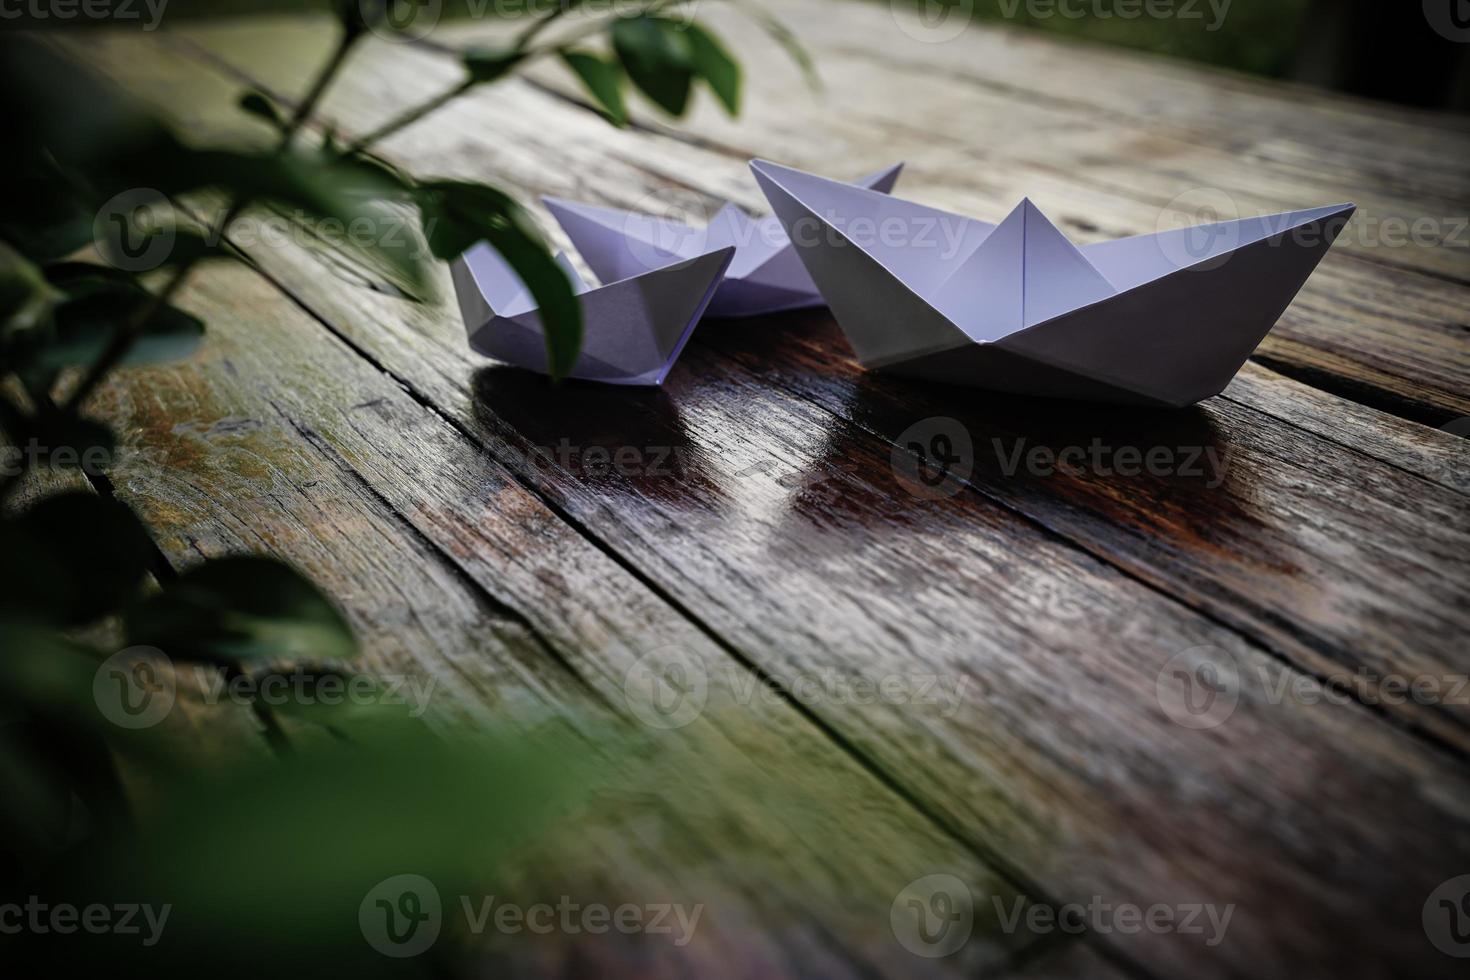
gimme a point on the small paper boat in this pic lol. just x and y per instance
(766, 276)
(634, 326)
(1164, 319)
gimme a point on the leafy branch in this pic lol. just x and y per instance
(79, 159)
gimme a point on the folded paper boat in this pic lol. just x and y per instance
(765, 276)
(634, 326)
(1164, 319)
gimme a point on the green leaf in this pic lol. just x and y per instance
(44, 673)
(65, 441)
(715, 66)
(782, 35)
(656, 54)
(260, 105)
(44, 219)
(72, 558)
(603, 81)
(490, 64)
(457, 216)
(26, 303)
(241, 609)
(96, 309)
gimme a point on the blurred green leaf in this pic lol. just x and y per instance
(26, 302)
(294, 850)
(241, 609)
(260, 105)
(657, 56)
(487, 65)
(782, 35)
(603, 81)
(459, 215)
(42, 215)
(72, 558)
(72, 442)
(714, 64)
(44, 674)
(96, 309)
(37, 814)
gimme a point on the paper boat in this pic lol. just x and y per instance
(634, 326)
(1165, 319)
(765, 276)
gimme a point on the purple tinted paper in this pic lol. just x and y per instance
(1165, 319)
(634, 326)
(765, 276)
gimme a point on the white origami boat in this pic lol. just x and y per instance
(766, 276)
(633, 327)
(1165, 319)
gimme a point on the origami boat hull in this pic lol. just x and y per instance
(765, 276)
(634, 328)
(1159, 320)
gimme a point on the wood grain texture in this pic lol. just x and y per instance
(766, 506)
(1368, 602)
(279, 439)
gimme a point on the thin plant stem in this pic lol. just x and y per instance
(123, 341)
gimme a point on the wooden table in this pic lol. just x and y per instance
(985, 684)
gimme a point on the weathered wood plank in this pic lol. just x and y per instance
(1335, 607)
(786, 532)
(787, 535)
(278, 438)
